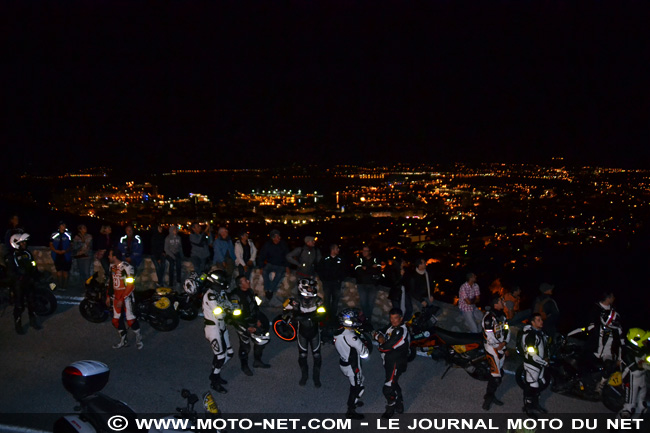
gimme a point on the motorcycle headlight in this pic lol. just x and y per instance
(258, 301)
(236, 312)
(33, 263)
(531, 349)
(129, 280)
(217, 311)
(320, 310)
(506, 326)
(348, 322)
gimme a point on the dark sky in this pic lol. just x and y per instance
(159, 85)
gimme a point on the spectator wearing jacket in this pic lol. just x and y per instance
(61, 247)
(245, 255)
(224, 252)
(305, 258)
(105, 244)
(174, 255)
(199, 240)
(130, 245)
(158, 255)
(332, 270)
(272, 258)
(368, 274)
(82, 245)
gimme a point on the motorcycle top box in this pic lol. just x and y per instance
(85, 378)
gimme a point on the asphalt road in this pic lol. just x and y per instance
(150, 380)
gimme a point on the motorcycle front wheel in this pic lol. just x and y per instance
(93, 312)
(613, 397)
(520, 378)
(164, 321)
(44, 302)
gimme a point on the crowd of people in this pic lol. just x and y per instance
(229, 266)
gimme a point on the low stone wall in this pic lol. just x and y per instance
(449, 317)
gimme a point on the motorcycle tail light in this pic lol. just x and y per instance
(72, 371)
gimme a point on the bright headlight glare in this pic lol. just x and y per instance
(236, 312)
(531, 349)
(320, 310)
(217, 311)
(129, 279)
(258, 300)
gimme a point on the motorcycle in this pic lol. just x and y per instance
(458, 349)
(153, 306)
(85, 379)
(568, 375)
(45, 302)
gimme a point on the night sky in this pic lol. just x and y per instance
(160, 85)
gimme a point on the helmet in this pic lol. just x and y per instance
(219, 277)
(16, 239)
(190, 286)
(638, 337)
(193, 276)
(351, 318)
(308, 287)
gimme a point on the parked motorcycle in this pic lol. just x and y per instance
(85, 379)
(153, 306)
(44, 300)
(569, 375)
(458, 349)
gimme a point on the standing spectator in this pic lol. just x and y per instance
(131, 247)
(174, 254)
(13, 229)
(273, 258)
(245, 255)
(158, 254)
(394, 348)
(546, 306)
(332, 271)
(469, 296)
(368, 273)
(224, 252)
(82, 245)
(305, 258)
(61, 247)
(105, 244)
(399, 293)
(512, 310)
(200, 254)
(420, 284)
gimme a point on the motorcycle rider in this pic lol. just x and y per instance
(534, 343)
(123, 284)
(23, 269)
(308, 311)
(351, 349)
(636, 357)
(251, 324)
(606, 337)
(215, 307)
(394, 348)
(496, 336)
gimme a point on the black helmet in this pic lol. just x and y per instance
(219, 277)
(351, 318)
(308, 287)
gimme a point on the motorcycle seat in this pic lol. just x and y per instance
(454, 338)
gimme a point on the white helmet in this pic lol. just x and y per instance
(190, 286)
(16, 239)
(308, 287)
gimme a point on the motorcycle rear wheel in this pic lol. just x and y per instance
(44, 302)
(164, 320)
(93, 312)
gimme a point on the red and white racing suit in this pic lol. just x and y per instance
(123, 286)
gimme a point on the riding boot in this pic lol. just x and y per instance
(353, 414)
(35, 322)
(538, 406)
(123, 341)
(389, 412)
(316, 374)
(244, 367)
(18, 323)
(304, 370)
(215, 383)
(257, 358)
(487, 401)
(138, 339)
(399, 407)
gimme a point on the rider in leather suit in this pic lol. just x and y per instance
(496, 336)
(308, 311)
(534, 344)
